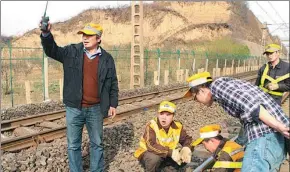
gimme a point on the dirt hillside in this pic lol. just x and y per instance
(166, 24)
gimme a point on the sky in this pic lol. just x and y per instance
(274, 13)
(18, 17)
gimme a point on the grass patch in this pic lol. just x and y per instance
(225, 46)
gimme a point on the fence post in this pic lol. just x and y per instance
(217, 63)
(193, 63)
(186, 75)
(146, 66)
(178, 54)
(206, 64)
(215, 73)
(45, 71)
(159, 61)
(155, 78)
(27, 91)
(42, 73)
(225, 68)
(239, 67)
(249, 64)
(233, 64)
(206, 61)
(166, 77)
(61, 88)
(11, 77)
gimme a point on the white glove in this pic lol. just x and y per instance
(176, 156)
(186, 154)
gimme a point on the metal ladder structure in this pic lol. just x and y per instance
(137, 51)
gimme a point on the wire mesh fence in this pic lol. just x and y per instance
(24, 78)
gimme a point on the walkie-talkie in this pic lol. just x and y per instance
(44, 21)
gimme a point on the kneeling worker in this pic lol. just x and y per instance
(228, 154)
(159, 145)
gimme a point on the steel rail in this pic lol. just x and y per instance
(22, 142)
(7, 125)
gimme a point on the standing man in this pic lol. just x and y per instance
(90, 91)
(273, 77)
(262, 118)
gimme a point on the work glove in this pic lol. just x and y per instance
(176, 156)
(273, 86)
(186, 154)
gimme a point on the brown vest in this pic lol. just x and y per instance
(90, 81)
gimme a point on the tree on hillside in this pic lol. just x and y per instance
(240, 8)
(4, 40)
(4, 74)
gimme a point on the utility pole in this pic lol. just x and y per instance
(137, 51)
(264, 36)
(263, 41)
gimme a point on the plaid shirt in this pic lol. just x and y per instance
(242, 100)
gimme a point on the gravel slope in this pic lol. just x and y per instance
(120, 139)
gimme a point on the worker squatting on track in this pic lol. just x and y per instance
(158, 147)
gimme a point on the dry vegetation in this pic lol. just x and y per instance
(163, 21)
(226, 27)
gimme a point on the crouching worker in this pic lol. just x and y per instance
(158, 148)
(228, 154)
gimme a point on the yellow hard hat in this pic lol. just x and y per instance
(207, 131)
(196, 80)
(271, 48)
(92, 29)
(167, 106)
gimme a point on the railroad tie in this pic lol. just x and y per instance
(22, 131)
(48, 124)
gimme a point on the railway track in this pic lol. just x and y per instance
(52, 125)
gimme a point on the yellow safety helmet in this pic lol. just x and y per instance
(207, 131)
(167, 106)
(196, 80)
(92, 29)
(271, 48)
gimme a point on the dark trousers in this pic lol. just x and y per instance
(154, 163)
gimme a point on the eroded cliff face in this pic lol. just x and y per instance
(164, 23)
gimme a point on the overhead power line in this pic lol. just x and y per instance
(276, 12)
(275, 23)
(266, 12)
(284, 23)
